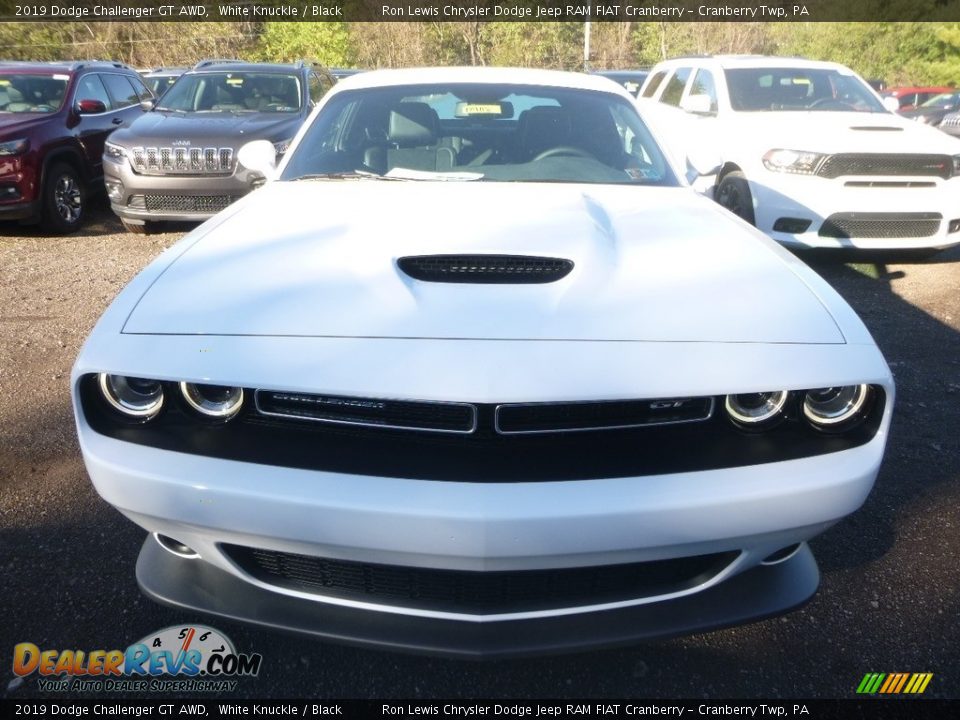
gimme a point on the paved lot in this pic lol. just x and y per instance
(889, 598)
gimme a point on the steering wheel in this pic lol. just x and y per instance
(831, 102)
(564, 151)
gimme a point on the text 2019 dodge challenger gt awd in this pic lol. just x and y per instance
(477, 373)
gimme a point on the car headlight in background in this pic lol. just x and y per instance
(114, 152)
(798, 162)
(14, 147)
(757, 410)
(137, 398)
(836, 408)
(213, 401)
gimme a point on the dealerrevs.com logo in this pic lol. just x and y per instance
(183, 659)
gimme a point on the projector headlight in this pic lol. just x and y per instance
(798, 162)
(836, 408)
(213, 401)
(138, 398)
(756, 411)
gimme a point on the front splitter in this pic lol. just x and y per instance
(761, 592)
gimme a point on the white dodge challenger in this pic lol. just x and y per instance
(476, 372)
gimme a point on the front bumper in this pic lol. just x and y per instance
(777, 195)
(188, 198)
(194, 585)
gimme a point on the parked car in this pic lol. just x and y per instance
(178, 162)
(54, 120)
(159, 80)
(935, 109)
(516, 387)
(912, 97)
(632, 80)
(810, 155)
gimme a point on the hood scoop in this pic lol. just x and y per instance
(488, 269)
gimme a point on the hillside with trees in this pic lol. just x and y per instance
(907, 52)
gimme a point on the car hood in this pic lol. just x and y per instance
(840, 132)
(319, 259)
(12, 124)
(224, 128)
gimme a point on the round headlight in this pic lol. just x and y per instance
(833, 408)
(214, 401)
(134, 397)
(755, 410)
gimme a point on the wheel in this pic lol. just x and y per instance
(733, 193)
(141, 228)
(63, 200)
(564, 151)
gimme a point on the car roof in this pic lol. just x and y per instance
(232, 66)
(491, 75)
(65, 66)
(751, 61)
(165, 71)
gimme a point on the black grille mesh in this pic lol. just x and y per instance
(406, 414)
(881, 225)
(485, 268)
(476, 592)
(835, 166)
(188, 203)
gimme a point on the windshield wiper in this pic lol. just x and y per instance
(345, 175)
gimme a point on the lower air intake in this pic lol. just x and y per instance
(476, 592)
(502, 269)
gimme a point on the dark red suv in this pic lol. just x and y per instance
(54, 119)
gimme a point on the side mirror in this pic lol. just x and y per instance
(697, 105)
(258, 160)
(89, 107)
(891, 103)
(148, 104)
(704, 162)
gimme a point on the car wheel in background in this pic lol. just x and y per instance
(63, 200)
(733, 193)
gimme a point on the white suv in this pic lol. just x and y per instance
(810, 154)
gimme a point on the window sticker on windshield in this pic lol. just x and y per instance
(234, 81)
(495, 109)
(642, 174)
(61, 77)
(4, 83)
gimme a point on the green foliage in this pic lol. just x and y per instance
(325, 42)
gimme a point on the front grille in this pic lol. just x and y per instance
(182, 160)
(881, 225)
(951, 121)
(845, 164)
(476, 592)
(507, 269)
(188, 203)
(559, 417)
(396, 414)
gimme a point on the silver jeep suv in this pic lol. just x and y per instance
(178, 161)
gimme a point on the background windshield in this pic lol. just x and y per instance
(944, 100)
(501, 132)
(806, 89)
(29, 93)
(234, 92)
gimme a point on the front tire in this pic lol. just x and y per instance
(64, 200)
(733, 193)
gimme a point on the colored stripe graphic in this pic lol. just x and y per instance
(894, 683)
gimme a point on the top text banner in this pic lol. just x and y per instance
(480, 10)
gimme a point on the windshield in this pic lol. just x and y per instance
(30, 93)
(159, 84)
(481, 131)
(234, 92)
(799, 89)
(944, 100)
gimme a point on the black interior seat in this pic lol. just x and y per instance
(543, 128)
(413, 141)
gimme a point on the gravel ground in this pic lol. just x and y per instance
(888, 599)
